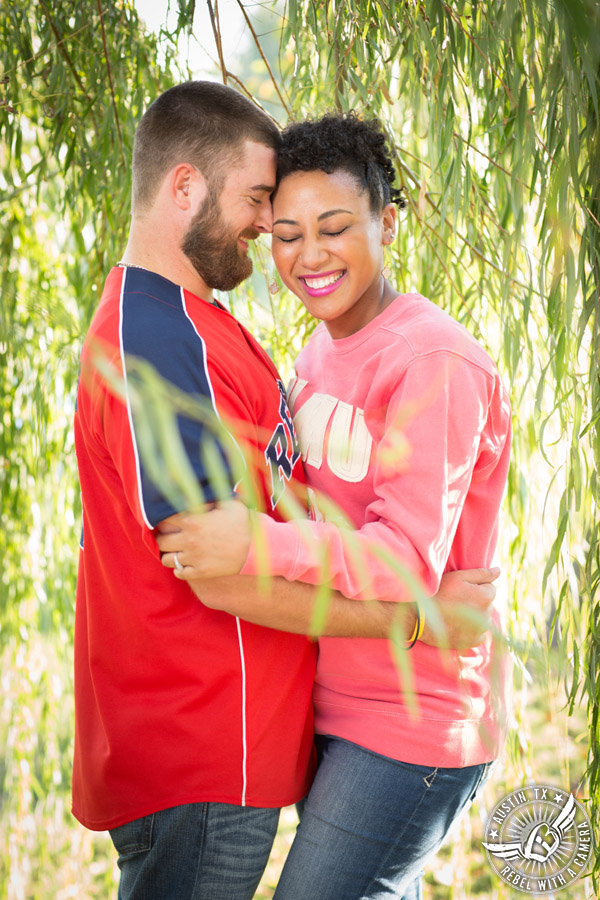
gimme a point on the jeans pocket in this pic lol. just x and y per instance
(133, 837)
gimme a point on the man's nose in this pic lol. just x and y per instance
(264, 220)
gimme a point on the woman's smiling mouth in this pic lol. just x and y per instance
(318, 285)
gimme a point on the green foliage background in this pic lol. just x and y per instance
(493, 108)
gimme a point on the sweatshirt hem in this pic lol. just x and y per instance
(458, 743)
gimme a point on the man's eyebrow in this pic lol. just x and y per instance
(269, 188)
(325, 215)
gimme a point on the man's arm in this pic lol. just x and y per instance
(462, 605)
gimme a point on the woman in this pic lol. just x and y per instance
(403, 420)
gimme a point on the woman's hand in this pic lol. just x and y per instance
(206, 545)
(459, 616)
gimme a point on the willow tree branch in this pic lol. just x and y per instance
(507, 90)
(25, 62)
(60, 43)
(243, 87)
(441, 261)
(263, 57)
(110, 83)
(217, 33)
(456, 18)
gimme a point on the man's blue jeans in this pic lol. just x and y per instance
(370, 822)
(199, 851)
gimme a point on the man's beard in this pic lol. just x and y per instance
(213, 249)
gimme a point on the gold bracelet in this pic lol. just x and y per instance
(419, 625)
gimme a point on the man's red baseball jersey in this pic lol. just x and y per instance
(177, 703)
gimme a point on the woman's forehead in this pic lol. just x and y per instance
(297, 186)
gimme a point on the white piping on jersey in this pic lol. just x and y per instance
(209, 382)
(238, 623)
(141, 498)
(244, 735)
(128, 403)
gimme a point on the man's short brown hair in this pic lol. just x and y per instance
(203, 123)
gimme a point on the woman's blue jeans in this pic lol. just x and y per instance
(199, 851)
(369, 824)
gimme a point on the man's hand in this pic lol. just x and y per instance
(461, 616)
(208, 544)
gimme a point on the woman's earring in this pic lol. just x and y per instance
(386, 272)
(273, 288)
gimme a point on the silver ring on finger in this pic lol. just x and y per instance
(176, 561)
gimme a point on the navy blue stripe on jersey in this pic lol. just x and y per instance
(155, 327)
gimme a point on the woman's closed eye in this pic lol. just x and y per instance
(295, 237)
(335, 233)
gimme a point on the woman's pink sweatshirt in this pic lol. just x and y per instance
(406, 426)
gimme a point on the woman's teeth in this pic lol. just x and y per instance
(322, 282)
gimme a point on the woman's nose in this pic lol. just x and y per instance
(312, 254)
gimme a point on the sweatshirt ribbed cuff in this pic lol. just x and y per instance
(273, 550)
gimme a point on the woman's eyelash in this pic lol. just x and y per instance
(325, 234)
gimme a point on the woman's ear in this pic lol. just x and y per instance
(388, 222)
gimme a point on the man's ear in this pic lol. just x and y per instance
(388, 222)
(187, 186)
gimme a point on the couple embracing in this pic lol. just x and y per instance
(202, 705)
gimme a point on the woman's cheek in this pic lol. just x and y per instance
(281, 258)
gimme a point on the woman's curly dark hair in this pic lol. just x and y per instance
(347, 142)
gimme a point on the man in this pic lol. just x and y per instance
(193, 727)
